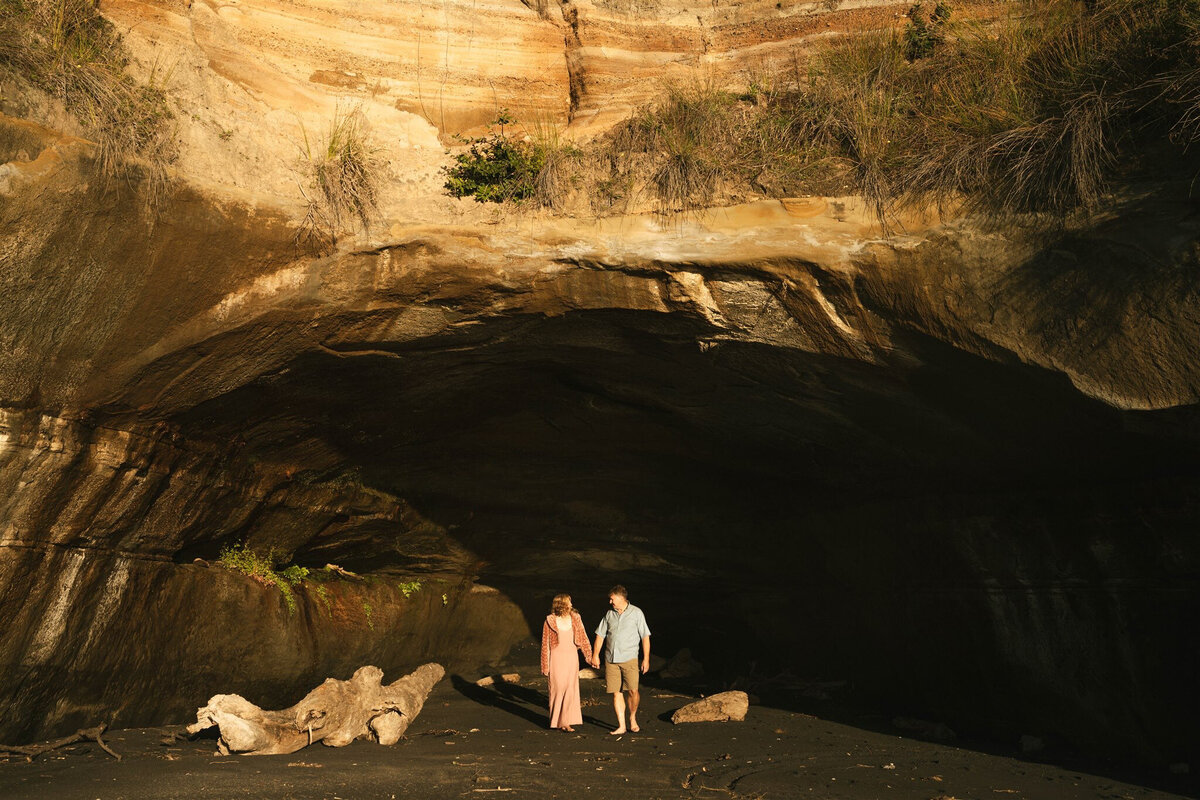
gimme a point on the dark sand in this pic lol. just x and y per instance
(493, 744)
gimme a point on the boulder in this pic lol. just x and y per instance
(723, 707)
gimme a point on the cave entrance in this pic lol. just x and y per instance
(927, 530)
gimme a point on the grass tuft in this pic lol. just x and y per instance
(682, 142)
(1042, 111)
(66, 49)
(342, 172)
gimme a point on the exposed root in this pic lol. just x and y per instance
(32, 751)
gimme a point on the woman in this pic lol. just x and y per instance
(562, 635)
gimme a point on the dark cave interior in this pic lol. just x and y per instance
(955, 538)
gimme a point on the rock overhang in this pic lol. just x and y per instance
(768, 408)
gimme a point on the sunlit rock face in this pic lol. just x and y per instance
(453, 65)
(258, 84)
(954, 468)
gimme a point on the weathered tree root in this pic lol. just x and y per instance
(336, 713)
(32, 751)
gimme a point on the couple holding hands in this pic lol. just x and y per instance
(622, 631)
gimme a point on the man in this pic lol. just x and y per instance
(621, 630)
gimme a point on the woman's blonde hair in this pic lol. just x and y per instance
(561, 605)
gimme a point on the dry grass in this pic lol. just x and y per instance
(1015, 118)
(853, 103)
(342, 175)
(558, 163)
(1043, 111)
(682, 144)
(66, 49)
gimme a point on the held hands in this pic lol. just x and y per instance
(595, 662)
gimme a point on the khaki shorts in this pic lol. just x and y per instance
(622, 676)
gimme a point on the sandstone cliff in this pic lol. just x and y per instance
(969, 447)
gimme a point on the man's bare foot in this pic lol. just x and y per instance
(617, 732)
(634, 728)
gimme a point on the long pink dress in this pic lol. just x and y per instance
(564, 679)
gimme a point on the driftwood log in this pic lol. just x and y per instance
(32, 751)
(336, 713)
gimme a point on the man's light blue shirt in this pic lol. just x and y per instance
(622, 633)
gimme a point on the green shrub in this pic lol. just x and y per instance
(497, 168)
(925, 31)
(494, 169)
(240, 558)
(409, 588)
(294, 574)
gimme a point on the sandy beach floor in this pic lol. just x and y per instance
(492, 744)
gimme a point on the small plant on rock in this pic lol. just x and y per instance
(343, 177)
(497, 168)
(409, 588)
(368, 610)
(261, 567)
(294, 574)
(323, 595)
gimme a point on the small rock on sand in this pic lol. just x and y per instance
(723, 707)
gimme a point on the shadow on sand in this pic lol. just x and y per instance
(521, 701)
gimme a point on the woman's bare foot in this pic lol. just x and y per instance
(568, 729)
